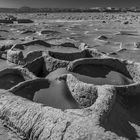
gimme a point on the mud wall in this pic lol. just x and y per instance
(35, 121)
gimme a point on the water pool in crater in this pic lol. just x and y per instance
(53, 93)
(102, 74)
(57, 96)
(9, 80)
(94, 74)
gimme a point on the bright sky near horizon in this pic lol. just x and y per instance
(69, 3)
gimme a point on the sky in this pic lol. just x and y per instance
(69, 3)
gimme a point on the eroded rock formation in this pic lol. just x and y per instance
(99, 105)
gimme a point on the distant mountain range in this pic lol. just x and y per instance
(94, 9)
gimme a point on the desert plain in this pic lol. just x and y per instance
(70, 76)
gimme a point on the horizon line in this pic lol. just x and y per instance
(70, 7)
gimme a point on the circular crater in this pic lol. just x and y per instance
(32, 49)
(70, 56)
(12, 76)
(9, 80)
(29, 46)
(101, 74)
(53, 93)
(81, 97)
(51, 61)
(96, 71)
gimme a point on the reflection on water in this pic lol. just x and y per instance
(57, 96)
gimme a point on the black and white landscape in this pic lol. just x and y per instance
(69, 73)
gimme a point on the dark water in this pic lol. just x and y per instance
(57, 96)
(94, 74)
(102, 75)
(9, 80)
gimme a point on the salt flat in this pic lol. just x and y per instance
(70, 76)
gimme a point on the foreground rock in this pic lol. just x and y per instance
(103, 113)
(15, 57)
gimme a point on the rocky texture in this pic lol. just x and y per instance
(111, 62)
(100, 105)
(70, 56)
(27, 43)
(84, 94)
(50, 61)
(83, 46)
(15, 56)
(6, 134)
(104, 112)
(46, 122)
(44, 65)
(19, 71)
(12, 76)
(137, 44)
(33, 55)
(104, 38)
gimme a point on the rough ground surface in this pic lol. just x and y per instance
(56, 77)
(6, 134)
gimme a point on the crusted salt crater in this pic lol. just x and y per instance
(49, 61)
(100, 112)
(10, 77)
